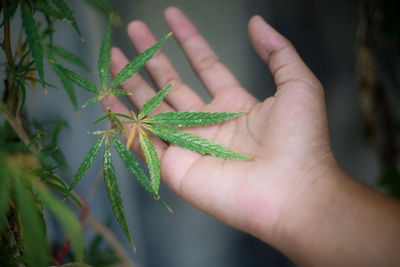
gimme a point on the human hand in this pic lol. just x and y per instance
(286, 135)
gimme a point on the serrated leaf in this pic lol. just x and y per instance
(154, 101)
(113, 192)
(134, 167)
(191, 118)
(119, 92)
(32, 225)
(132, 164)
(124, 116)
(10, 12)
(137, 63)
(49, 175)
(93, 100)
(87, 162)
(151, 156)
(131, 136)
(64, 9)
(4, 193)
(66, 217)
(118, 122)
(65, 191)
(68, 56)
(68, 86)
(103, 64)
(194, 143)
(33, 39)
(102, 118)
(80, 80)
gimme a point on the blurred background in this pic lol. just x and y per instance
(341, 41)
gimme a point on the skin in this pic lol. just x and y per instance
(291, 194)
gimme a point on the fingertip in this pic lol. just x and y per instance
(118, 60)
(135, 27)
(171, 11)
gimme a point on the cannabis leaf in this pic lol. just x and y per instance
(87, 162)
(113, 192)
(32, 36)
(143, 125)
(103, 65)
(158, 125)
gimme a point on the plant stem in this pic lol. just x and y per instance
(16, 124)
(110, 237)
(7, 39)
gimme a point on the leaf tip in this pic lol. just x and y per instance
(170, 33)
(133, 248)
(246, 111)
(45, 91)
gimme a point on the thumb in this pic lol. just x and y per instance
(286, 66)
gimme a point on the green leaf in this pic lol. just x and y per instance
(47, 9)
(87, 162)
(22, 90)
(132, 164)
(113, 191)
(66, 192)
(32, 225)
(80, 80)
(134, 167)
(191, 118)
(4, 193)
(102, 118)
(64, 9)
(33, 39)
(93, 100)
(154, 101)
(118, 122)
(124, 116)
(10, 12)
(66, 218)
(137, 63)
(67, 84)
(103, 64)
(70, 57)
(152, 160)
(194, 143)
(49, 175)
(119, 92)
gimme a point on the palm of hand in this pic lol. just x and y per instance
(286, 135)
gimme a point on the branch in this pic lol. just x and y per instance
(110, 237)
(7, 39)
(15, 123)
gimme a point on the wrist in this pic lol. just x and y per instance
(304, 215)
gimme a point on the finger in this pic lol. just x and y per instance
(214, 75)
(181, 97)
(141, 91)
(117, 106)
(283, 61)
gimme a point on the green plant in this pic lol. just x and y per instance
(142, 124)
(31, 163)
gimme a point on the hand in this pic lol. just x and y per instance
(278, 194)
(286, 135)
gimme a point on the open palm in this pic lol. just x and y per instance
(286, 135)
